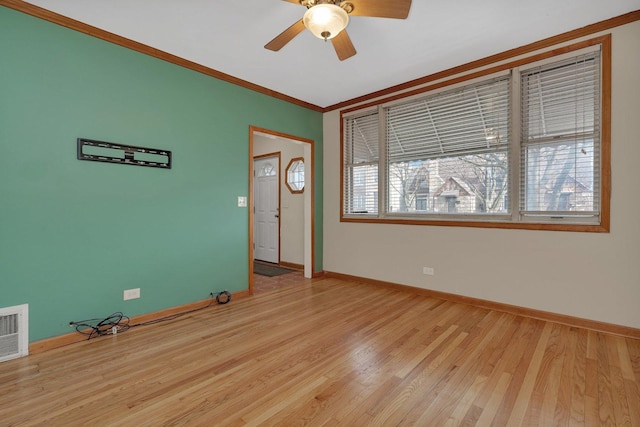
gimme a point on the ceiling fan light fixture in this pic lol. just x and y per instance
(325, 20)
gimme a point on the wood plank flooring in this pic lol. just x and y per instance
(326, 352)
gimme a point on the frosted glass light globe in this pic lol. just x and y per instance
(325, 21)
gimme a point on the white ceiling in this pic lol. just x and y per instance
(229, 36)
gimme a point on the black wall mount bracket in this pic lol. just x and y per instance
(108, 152)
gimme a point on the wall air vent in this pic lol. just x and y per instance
(14, 332)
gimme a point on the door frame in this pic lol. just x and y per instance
(309, 199)
(277, 155)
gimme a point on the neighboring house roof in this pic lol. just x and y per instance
(570, 185)
(453, 187)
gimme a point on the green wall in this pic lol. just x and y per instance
(75, 234)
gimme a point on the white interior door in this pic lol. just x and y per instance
(266, 219)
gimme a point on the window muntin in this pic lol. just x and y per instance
(407, 188)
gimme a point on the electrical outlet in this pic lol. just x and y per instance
(428, 271)
(131, 294)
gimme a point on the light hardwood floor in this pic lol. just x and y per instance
(334, 353)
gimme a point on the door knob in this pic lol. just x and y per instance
(277, 216)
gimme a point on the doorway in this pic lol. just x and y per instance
(266, 220)
(284, 143)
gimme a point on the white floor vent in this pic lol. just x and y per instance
(14, 332)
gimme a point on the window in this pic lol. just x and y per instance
(361, 164)
(561, 138)
(295, 175)
(267, 170)
(520, 148)
(450, 147)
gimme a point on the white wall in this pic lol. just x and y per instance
(291, 205)
(588, 275)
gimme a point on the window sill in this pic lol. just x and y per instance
(573, 227)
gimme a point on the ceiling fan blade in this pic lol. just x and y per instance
(293, 1)
(398, 9)
(343, 46)
(285, 37)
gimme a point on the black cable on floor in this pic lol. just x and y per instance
(118, 322)
(99, 327)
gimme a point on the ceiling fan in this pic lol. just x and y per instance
(327, 19)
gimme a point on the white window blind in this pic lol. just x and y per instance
(447, 153)
(468, 120)
(361, 156)
(560, 154)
